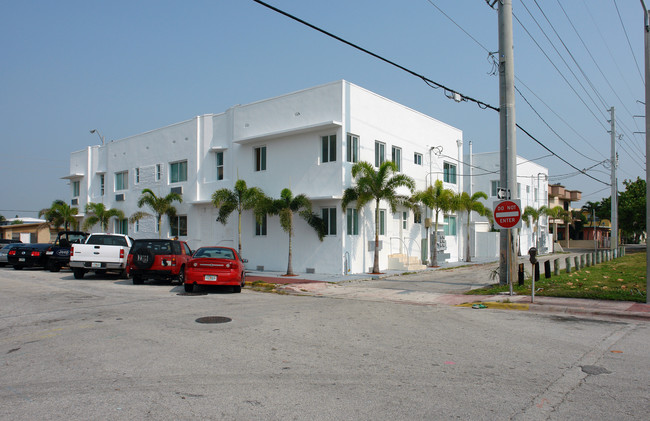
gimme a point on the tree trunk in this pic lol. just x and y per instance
(375, 264)
(434, 251)
(239, 233)
(468, 258)
(289, 266)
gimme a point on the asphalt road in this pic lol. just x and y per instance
(105, 349)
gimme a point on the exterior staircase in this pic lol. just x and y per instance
(403, 262)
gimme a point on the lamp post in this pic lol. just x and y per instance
(646, 32)
(98, 134)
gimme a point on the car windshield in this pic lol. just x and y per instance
(107, 240)
(72, 239)
(157, 246)
(215, 253)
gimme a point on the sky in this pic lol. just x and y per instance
(125, 67)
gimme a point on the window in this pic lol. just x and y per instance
(121, 180)
(396, 154)
(536, 194)
(329, 217)
(405, 216)
(353, 148)
(158, 172)
(219, 165)
(417, 216)
(136, 226)
(382, 221)
(101, 184)
(137, 175)
(353, 221)
(178, 226)
(260, 228)
(178, 172)
(527, 189)
(122, 226)
(518, 190)
(328, 147)
(417, 158)
(450, 225)
(260, 159)
(380, 153)
(494, 184)
(75, 188)
(449, 173)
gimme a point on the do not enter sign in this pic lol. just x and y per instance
(507, 214)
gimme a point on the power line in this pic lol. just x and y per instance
(377, 56)
(428, 81)
(628, 42)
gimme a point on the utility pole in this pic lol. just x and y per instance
(508, 143)
(613, 245)
(646, 31)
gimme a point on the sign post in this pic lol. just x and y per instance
(507, 216)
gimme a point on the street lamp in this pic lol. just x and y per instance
(98, 134)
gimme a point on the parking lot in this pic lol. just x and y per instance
(102, 348)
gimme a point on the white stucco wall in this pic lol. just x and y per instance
(290, 127)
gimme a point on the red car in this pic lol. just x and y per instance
(215, 266)
(158, 259)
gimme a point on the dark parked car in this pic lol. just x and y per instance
(46, 255)
(4, 251)
(158, 259)
(28, 255)
(59, 252)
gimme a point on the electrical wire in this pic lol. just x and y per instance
(377, 56)
(628, 42)
(429, 82)
(565, 63)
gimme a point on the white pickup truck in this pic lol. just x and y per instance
(100, 253)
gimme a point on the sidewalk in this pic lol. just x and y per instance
(351, 287)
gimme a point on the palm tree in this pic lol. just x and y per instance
(554, 213)
(240, 198)
(60, 213)
(590, 208)
(438, 199)
(378, 185)
(100, 215)
(159, 205)
(534, 214)
(468, 204)
(286, 207)
(569, 217)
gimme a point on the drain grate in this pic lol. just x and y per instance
(213, 319)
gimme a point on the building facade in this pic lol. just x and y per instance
(306, 141)
(483, 172)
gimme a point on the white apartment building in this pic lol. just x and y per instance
(483, 171)
(306, 141)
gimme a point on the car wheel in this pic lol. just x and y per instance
(236, 289)
(189, 287)
(143, 258)
(78, 273)
(181, 275)
(243, 280)
(138, 280)
(53, 266)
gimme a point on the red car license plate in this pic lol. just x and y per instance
(210, 277)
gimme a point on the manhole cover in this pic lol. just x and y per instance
(214, 319)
